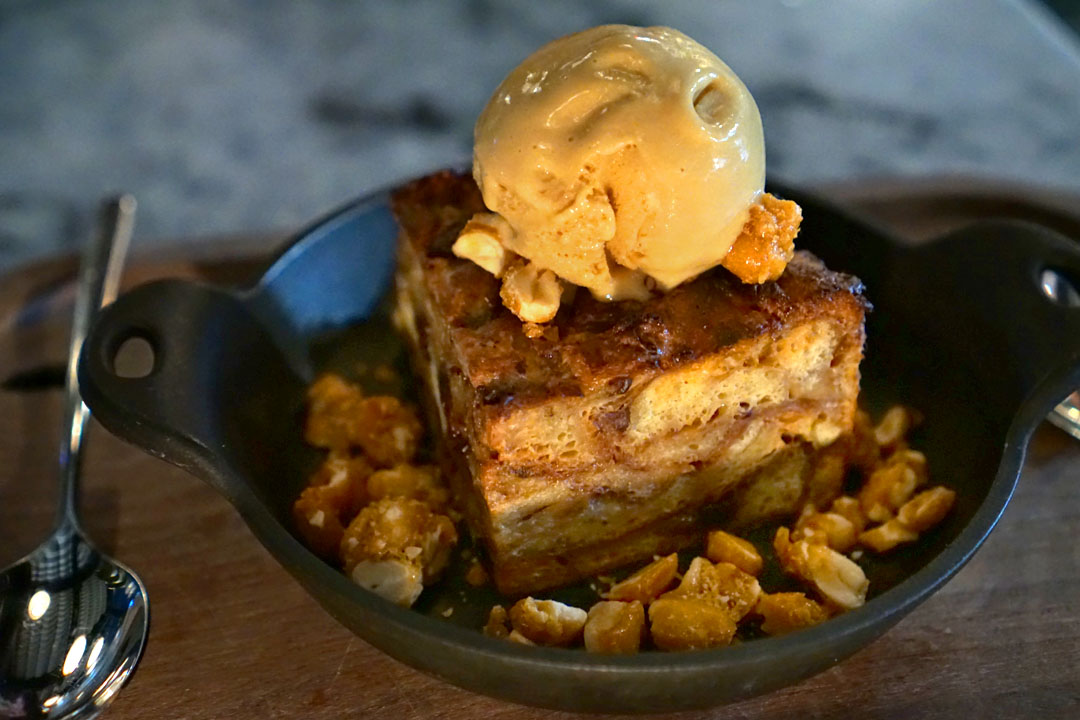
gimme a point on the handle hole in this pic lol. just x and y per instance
(134, 358)
(1059, 287)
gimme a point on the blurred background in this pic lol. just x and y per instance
(253, 115)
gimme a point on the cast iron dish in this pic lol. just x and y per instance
(961, 329)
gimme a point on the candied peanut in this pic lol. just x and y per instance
(516, 637)
(892, 484)
(398, 581)
(335, 495)
(766, 242)
(894, 426)
(725, 547)
(339, 417)
(483, 240)
(340, 471)
(647, 583)
(419, 482)
(849, 508)
(547, 622)
(689, 624)
(319, 526)
(789, 611)
(331, 406)
(914, 460)
(386, 430)
(835, 577)
(784, 547)
(826, 528)
(497, 623)
(397, 532)
(532, 330)
(722, 585)
(530, 292)
(615, 627)
(926, 509)
(329, 387)
(887, 536)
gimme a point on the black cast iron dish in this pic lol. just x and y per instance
(962, 330)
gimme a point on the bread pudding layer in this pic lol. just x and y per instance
(615, 431)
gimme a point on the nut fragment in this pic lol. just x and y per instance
(516, 637)
(835, 577)
(483, 240)
(892, 484)
(725, 547)
(319, 526)
(336, 493)
(887, 536)
(767, 241)
(849, 507)
(926, 509)
(399, 582)
(789, 611)
(722, 585)
(386, 430)
(399, 529)
(530, 292)
(824, 528)
(547, 622)
(689, 624)
(615, 627)
(647, 583)
(331, 404)
(497, 623)
(894, 426)
(420, 482)
(917, 515)
(340, 417)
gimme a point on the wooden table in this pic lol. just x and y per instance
(233, 636)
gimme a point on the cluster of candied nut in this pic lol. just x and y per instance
(762, 250)
(894, 473)
(528, 291)
(386, 520)
(382, 517)
(720, 591)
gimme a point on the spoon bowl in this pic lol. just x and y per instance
(74, 624)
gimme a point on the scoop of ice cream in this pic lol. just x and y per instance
(620, 154)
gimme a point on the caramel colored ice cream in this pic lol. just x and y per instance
(618, 153)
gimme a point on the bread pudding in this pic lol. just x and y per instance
(620, 355)
(620, 430)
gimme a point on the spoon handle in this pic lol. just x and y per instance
(98, 281)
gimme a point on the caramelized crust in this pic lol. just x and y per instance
(606, 436)
(596, 342)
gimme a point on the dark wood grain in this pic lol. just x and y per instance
(234, 636)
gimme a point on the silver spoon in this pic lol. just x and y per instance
(73, 622)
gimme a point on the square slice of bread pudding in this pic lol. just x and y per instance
(621, 430)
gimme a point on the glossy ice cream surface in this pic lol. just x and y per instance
(621, 159)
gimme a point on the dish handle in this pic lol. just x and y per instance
(208, 352)
(1020, 283)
